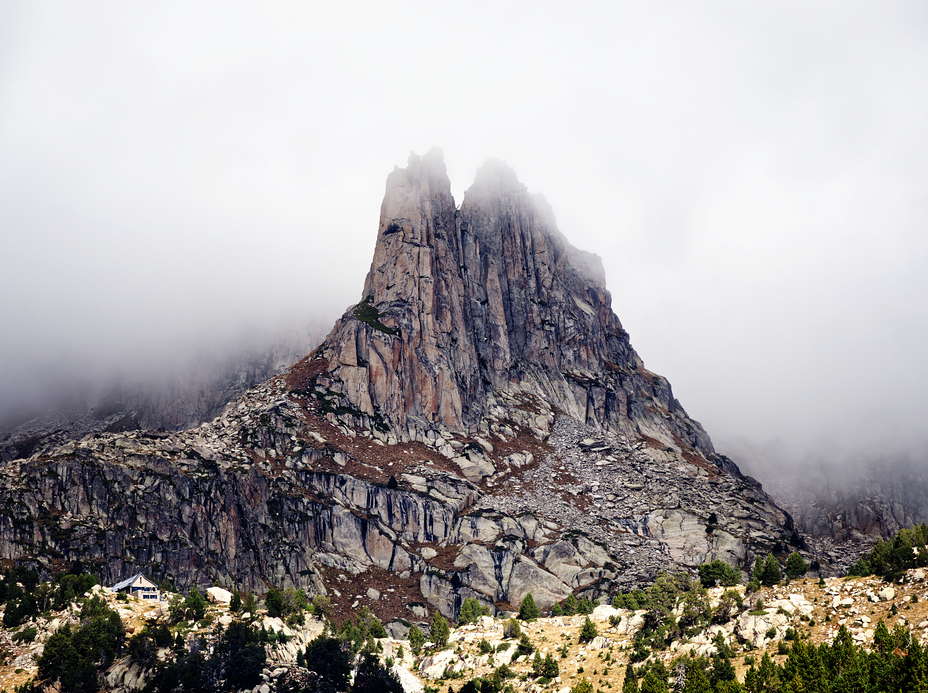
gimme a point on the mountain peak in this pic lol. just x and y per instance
(476, 426)
(466, 307)
(497, 175)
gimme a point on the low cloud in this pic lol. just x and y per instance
(177, 178)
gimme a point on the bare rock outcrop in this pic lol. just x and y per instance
(462, 304)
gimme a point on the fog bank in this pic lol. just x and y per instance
(177, 177)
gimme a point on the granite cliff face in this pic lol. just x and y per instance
(478, 425)
(462, 306)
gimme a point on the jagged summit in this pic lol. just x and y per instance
(466, 306)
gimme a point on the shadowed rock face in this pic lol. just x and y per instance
(478, 425)
(461, 304)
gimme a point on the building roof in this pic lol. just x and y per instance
(130, 581)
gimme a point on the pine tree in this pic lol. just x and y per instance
(416, 639)
(764, 678)
(758, 573)
(195, 604)
(582, 686)
(274, 602)
(718, 573)
(525, 646)
(588, 630)
(550, 667)
(630, 684)
(795, 566)
(696, 679)
(440, 631)
(251, 604)
(770, 574)
(235, 605)
(653, 683)
(527, 609)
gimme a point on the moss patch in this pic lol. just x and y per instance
(367, 312)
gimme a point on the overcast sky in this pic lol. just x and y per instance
(754, 176)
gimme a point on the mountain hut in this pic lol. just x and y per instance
(138, 586)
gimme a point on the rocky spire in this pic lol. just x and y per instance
(397, 356)
(464, 306)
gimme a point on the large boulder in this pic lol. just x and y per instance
(218, 595)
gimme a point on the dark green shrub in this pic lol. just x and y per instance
(365, 311)
(195, 605)
(274, 602)
(471, 610)
(26, 635)
(525, 646)
(718, 573)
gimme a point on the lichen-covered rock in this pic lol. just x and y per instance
(758, 629)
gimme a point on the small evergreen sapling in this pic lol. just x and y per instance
(588, 631)
(525, 646)
(527, 609)
(582, 686)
